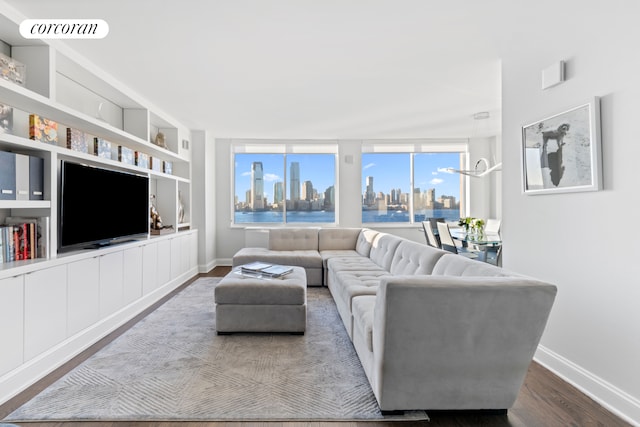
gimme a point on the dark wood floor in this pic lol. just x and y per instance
(544, 401)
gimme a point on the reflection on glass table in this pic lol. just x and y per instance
(486, 239)
(490, 244)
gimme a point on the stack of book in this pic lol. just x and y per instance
(24, 239)
(263, 269)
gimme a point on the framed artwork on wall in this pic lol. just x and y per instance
(562, 153)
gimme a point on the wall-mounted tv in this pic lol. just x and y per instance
(100, 206)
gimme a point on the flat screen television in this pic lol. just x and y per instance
(100, 206)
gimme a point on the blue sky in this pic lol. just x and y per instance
(389, 171)
(393, 171)
(319, 169)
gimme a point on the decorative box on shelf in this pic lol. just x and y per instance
(43, 130)
(142, 160)
(6, 118)
(102, 148)
(125, 155)
(77, 140)
(12, 70)
(156, 164)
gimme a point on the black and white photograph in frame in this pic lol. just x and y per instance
(561, 153)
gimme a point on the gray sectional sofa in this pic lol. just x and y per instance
(433, 330)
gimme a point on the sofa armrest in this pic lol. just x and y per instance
(456, 342)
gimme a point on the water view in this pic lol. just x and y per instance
(368, 216)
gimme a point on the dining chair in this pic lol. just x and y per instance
(448, 244)
(432, 240)
(434, 222)
(492, 226)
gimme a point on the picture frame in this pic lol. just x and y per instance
(562, 153)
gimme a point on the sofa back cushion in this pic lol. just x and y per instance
(414, 258)
(382, 249)
(337, 238)
(291, 239)
(365, 240)
(456, 265)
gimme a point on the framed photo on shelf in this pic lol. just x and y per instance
(562, 153)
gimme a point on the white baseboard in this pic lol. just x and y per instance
(18, 380)
(202, 269)
(612, 398)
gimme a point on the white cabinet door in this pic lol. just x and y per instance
(149, 268)
(164, 262)
(45, 310)
(111, 284)
(132, 275)
(176, 251)
(193, 250)
(83, 294)
(11, 326)
(185, 242)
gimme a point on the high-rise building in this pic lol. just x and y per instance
(294, 181)
(330, 198)
(369, 194)
(278, 192)
(257, 186)
(431, 198)
(307, 191)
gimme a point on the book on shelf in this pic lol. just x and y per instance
(264, 269)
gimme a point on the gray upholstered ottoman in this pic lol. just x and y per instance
(249, 304)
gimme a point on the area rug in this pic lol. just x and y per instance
(172, 366)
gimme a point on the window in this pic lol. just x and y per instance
(287, 187)
(411, 186)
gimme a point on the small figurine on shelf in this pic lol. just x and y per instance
(159, 140)
(156, 219)
(180, 208)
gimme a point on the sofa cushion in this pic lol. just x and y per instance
(365, 240)
(414, 258)
(289, 239)
(338, 238)
(363, 317)
(337, 264)
(337, 253)
(354, 283)
(456, 265)
(302, 258)
(382, 249)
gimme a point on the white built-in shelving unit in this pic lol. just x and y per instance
(53, 308)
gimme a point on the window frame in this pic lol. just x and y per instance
(413, 147)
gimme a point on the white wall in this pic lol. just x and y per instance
(583, 242)
(204, 199)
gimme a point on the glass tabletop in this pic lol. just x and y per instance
(490, 239)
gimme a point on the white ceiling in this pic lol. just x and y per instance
(302, 68)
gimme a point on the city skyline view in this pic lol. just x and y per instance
(265, 183)
(319, 169)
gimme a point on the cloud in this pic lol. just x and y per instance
(367, 166)
(246, 173)
(271, 177)
(445, 170)
(436, 181)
